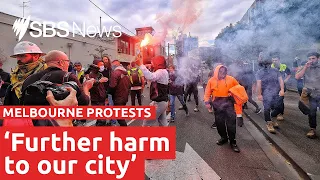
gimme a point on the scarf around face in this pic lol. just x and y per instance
(22, 72)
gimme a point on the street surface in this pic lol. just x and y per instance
(198, 157)
(291, 136)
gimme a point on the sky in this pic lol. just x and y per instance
(202, 18)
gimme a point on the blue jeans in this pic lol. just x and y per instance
(111, 104)
(272, 103)
(172, 103)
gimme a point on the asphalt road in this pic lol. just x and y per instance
(296, 125)
(258, 159)
(291, 136)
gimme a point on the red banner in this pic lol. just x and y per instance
(86, 153)
(78, 112)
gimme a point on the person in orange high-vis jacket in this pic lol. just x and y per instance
(223, 104)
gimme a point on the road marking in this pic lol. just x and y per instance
(91, 123)
(187, 165)
(130, 122)
(168, 116)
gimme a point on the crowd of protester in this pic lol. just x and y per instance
(107, 82)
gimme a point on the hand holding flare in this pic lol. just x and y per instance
(139, 60)
(148, 39)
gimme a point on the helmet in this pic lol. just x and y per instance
(26, 47)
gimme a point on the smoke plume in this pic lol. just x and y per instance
(182, 15)
(289, 27)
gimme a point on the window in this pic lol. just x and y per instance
(126, 48)
(123, 47)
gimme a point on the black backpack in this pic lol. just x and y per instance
(135, 77)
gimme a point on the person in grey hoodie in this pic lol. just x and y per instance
(158, 89)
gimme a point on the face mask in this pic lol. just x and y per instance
(101, 68)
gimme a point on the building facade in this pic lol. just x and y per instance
(78, 48)
(184, 45)
(151, 50)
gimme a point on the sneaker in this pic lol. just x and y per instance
(180, 107)
(235, 148)
(245, 106)
(100, 124)
(171, 119)
(108, 124)
(270, 127)
(258, 111)
(210, 110)
(187, 114)
(312, 134)
(222, 141)
(280, 117)
(76, 123)
(214, 126)
(196, 109)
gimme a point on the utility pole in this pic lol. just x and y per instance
(23, 6)
(168, 50)
(100, 28)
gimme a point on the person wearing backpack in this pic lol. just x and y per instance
(159, 88)
(119, 86)
(137, 83)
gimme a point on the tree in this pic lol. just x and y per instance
(99, 54)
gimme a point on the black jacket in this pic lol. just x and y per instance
(11, 98)
(119, 86)
(57, 77)
(6, 78)
(174, 88)
(106, 73)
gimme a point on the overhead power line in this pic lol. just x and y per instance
(112, 17)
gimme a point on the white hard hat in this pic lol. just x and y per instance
(26, 47)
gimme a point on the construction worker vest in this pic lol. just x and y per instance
(283, 67)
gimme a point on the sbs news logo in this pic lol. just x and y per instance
(48, 29)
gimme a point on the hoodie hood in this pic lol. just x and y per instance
(121, 68)
(216, 71)
(219, 88)
(159, 62)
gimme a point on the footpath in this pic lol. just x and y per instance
(303, 153)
